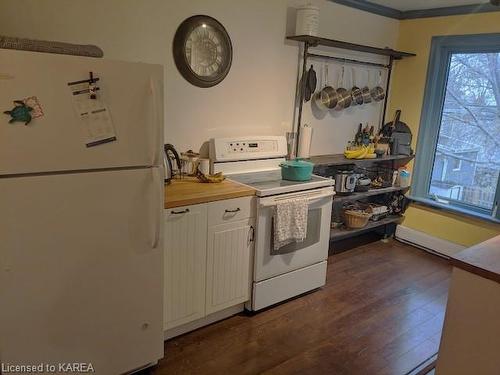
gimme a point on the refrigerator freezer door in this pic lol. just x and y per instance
(79, 278)
(57, 141)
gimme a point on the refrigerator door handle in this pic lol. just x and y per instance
(157, 182)
(156, 122)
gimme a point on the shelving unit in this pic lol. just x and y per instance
(343, 233)
(323, 163)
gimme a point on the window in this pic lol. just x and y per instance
(457, 164)
(458, 152)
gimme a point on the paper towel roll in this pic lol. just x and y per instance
(305, 139)
(307, 22)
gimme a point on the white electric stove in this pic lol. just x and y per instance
(298, 267)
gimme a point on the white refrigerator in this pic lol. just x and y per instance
(81, 201)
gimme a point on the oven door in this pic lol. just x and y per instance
(269, 262)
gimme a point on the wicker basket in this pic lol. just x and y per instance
(356, 219)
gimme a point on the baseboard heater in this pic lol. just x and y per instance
(427, 242)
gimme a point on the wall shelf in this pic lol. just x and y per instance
(315, 41)
(370, 193)
(340, 159)
(343, 233)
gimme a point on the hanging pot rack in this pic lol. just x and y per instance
(313, 41)
(347, 61)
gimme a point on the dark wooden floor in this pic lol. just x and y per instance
(381, 312)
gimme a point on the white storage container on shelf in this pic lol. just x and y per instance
(307, 22)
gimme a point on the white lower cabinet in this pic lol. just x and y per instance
(207, 261)
(185, 264)
(229, 252)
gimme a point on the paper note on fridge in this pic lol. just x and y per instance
(95, 119)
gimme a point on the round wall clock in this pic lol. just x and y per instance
(202, 51)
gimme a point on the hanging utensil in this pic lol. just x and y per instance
(356, 94)
(378, 93)
(320, 98)
(345, 98)
(304, 83)
(326, 98)
(365, 91)
(312, 80)
(309, 82)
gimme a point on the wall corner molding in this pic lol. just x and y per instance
(381, 10)
(371, 8)
(450, 11)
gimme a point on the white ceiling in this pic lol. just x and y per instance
(404, 5)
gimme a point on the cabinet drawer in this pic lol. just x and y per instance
(230, 210)
(176, 213)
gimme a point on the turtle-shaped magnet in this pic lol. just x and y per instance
(20, 113)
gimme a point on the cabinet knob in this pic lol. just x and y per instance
(233, 211)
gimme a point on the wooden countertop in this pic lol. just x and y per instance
(482, 259)
(187, 191)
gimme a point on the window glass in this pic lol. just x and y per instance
(467, 157)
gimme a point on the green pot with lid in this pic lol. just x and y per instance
(296, 170)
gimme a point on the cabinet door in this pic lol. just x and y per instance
(229, 252)
(185, 264)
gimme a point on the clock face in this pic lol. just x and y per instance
(205, 51)
(202, 51)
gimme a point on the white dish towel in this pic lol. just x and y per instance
(290, 221)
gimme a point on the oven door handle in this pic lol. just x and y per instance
(311, 198)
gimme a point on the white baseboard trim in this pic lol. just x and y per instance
(427, 242)
(212, 318)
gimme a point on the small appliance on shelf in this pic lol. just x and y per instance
(345, 182)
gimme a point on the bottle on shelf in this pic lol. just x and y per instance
(359, 136)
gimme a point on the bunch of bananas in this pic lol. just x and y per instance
(207, 178)
(363, 152)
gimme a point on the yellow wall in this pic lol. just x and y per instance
(407, 94)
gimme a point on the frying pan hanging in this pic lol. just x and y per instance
(326, 98)
(356, 93)
(345, 98)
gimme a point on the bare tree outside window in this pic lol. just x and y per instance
(469, 134)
